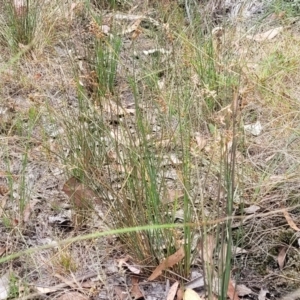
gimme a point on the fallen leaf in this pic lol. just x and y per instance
(133, 27)
(190, 294)
(175, 160)
(79, 194)
(238, 250)
(290, 221)
(105, 29)
(72, 296)
(231, 291)
(180, 294)
(281, 257)
(172, 195)
(173, 291)
(28, 209)
(3, 189)
(242, 290)
(2, 204)
(268, 35)
(123, 261)
(4, 286)
(201, 140)
(135, 291)
(168, 263)
(251, 209)
(255, 129)
(122, 295)
(206, 249)
(2, 250)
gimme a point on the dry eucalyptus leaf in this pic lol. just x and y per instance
(201, 140)
(133, 269)
(135, 290)
(4, 286)
(268, 35)
(281, 257)
(173, 291)
(121, 295)
(168, 263)
(206, 249)
(28, 209)
(290, 221)
(251, 209)
(231, 291)
(2, 250)
(132, 27)
(79, 194)
(173, 195)
(123, 262)
(190, 294)
(242, 290)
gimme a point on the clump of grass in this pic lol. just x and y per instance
(118, 153)
(20, 22)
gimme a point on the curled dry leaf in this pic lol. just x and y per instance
(173, 291)
(123, 262)
(168, 263)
